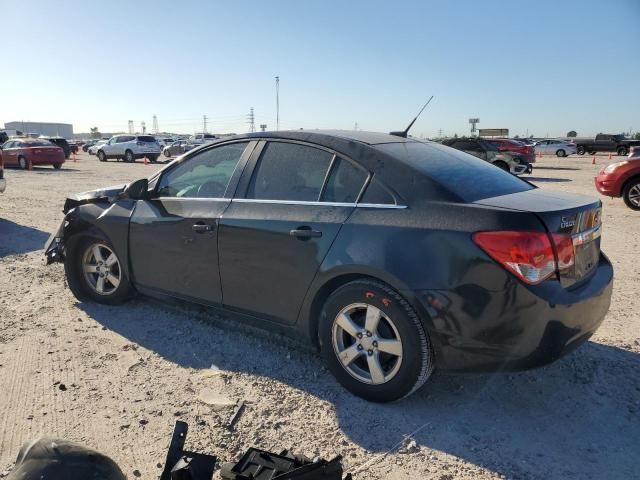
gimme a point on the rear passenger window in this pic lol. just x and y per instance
(288, 171)
(344, 183)
(377, 194)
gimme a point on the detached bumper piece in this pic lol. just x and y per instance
(255, 464)
(261, 465)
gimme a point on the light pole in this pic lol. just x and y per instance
(277, 102)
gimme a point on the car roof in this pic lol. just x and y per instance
(322, 136)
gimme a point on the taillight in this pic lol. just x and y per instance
(529, 256)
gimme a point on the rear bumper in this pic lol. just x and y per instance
(516, 327)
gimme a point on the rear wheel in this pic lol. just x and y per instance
(167, 153)
(102, 156)
(623, 151)
(373, 342)
(94, 272)
(561, 153)
(502, 165)
(631, 194)
(57, 166)
(128, 156)
(23, 163)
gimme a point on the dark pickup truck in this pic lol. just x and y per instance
(605, 143)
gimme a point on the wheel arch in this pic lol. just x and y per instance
(627, 181)
(322, 288)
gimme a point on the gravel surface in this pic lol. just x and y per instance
(117, 378)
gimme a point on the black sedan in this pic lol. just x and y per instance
(392, 256)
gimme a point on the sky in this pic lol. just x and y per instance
(536, 67)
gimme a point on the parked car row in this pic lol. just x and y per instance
(509, 161)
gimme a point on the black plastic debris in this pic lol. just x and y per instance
(258, 464)
(183, 465)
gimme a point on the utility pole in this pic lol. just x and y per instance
(439, 133)
(277, 102)
(204, 124)
(131, 127)
(154, 128)
(251, 121)
(143, 127)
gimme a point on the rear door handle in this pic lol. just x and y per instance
(305, 232)
(201, 228)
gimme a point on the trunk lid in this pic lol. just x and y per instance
(578, 216)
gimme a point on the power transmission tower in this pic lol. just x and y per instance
(154, 128)
(204, 124)
(440, 133)
(143, 126)
(277, 102)
(131, 127)
(251, 121)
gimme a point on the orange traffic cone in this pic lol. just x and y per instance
(609, 155)
(73, 154)
(593, 162)
(146, 160)
(30, 166)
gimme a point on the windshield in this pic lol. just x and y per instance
(465, 176)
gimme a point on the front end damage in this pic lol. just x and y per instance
(54, 248)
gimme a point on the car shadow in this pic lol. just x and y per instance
(571, 419)
(548, 179)
(557, 168)
(17, 239)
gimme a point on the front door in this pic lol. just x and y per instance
(173, 237)
(273, 240)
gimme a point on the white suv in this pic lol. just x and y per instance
(129, 148)
(202, 138)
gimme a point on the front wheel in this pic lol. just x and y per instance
(580, 150)
(128, 156)
(373, 342)
(561, 153)
(94, 272)
(631, 194)
(622, 151)
(102, 156)
(57, 166)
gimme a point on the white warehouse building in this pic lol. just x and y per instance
(43, 128)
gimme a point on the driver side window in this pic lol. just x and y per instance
(205, 175)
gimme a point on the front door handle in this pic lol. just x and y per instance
(305, 232)
(201, 228)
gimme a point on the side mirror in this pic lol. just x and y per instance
(137, 190)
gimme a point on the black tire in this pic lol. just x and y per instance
(153, 158)
(631, 187)
(57, 166)
(592, 153)
(416, 363)
(580, 150)
(561, 153)
(22, 163)
(78, 284)
(102, 156)
(167, 153)
(623, 152)
(129, 157)
(502, 165)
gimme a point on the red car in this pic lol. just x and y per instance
(3, 182)
(20, 152)
(622, 179)
(513, 146)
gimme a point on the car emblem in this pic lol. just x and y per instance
(567, 222)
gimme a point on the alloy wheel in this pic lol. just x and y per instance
(101, 269)
(634, 195)
(367, 343)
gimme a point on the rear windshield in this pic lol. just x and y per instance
(146, 138)
(38, 143)
(465, 176)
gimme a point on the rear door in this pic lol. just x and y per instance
(291, 203)
(173, 237)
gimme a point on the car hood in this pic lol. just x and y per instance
(106, 194)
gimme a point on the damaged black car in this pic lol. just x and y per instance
(393, 256)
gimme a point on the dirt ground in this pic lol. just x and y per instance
(117, 378)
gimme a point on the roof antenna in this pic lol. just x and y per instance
(404, 133)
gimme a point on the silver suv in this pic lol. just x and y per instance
(129, 148)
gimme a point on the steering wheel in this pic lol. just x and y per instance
(211, 189)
